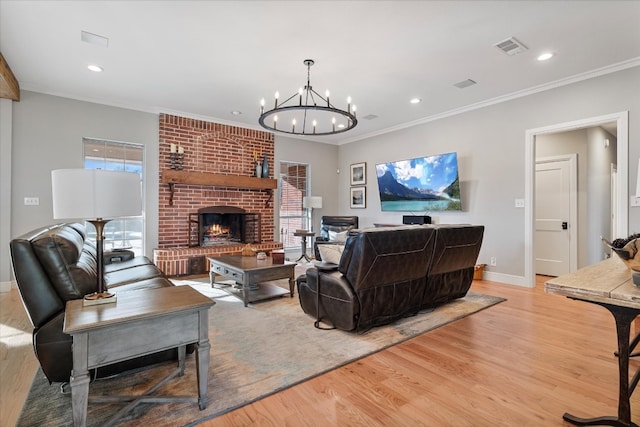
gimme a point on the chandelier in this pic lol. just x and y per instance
(306, 112)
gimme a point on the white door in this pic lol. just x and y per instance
(555, 216)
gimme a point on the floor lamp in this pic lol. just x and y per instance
(311, 203)
(96, 196)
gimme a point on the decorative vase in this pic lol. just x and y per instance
(258, 170)
(265, 167)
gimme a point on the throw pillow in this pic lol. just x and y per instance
(335, 236)
(331, 253)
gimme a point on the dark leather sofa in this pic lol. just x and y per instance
(55, 264)
(392, 272)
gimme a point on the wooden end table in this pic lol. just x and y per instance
(303, 243)
(141, 322)
(248, 272)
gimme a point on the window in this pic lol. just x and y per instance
(110, 155)
(294, 185)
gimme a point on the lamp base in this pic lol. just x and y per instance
(99, 298)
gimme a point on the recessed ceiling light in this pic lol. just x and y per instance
(415, 100)
(95, 68)
(545, 56)
(236, 113)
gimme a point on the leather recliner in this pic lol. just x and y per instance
(331, 226)
(55, 264)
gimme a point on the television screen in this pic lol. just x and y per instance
(420, 184)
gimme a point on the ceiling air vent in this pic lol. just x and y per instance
(370, 117)
(511, 46)
(464, 83)
(91, 38)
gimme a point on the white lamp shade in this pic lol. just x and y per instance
(95, 193)
(313, 202)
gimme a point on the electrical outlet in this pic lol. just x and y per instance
(492, 262)
(32, 201)
(519, 203)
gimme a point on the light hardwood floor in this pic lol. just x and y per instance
(523, 362)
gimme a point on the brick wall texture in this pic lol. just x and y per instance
(215, 148)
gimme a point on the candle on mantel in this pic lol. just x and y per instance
(173, 148)
(180, 149)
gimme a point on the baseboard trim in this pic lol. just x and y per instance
(505, 278)
(6, 286)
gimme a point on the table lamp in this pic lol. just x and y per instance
(96, 196)
(311, 202)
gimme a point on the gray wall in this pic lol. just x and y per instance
(47, 135)
(323, 164)
(599, 192)
(5, 192)
(491, 151)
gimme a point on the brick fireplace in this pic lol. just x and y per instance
(224, 225)
(217, 170)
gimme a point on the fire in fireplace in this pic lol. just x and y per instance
(223, 225)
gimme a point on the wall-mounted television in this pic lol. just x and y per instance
(420, 184)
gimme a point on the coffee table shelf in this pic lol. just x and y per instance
(250, 274)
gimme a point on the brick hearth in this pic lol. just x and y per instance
(177, 261)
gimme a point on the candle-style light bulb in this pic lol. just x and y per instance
(314, 126)
(262, 106)
(277, 96)
(275, 121)
(300, 93)
(293, 125)
(354, 110)
(333, 123)
(348, 104)
(327, 95)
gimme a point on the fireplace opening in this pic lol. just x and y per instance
(223, 225)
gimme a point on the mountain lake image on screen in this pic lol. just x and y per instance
(420, 184)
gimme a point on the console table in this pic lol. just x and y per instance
(609, 285)
(141, 322)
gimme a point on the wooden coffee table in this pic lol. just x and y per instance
(141, 322)
(249, 273)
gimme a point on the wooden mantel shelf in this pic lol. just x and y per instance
(172, 177)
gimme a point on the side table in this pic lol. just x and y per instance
(141, 322)
(303, 239)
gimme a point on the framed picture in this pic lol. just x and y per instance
(358, 197)
(359, 173)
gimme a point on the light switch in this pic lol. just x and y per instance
(32, 201)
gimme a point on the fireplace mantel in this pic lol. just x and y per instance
(173, 177)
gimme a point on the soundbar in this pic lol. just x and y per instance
(416, 219)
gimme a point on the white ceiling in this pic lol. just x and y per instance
(205, 59)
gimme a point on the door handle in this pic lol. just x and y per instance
(565, 225)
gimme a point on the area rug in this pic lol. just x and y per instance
(256, 351)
